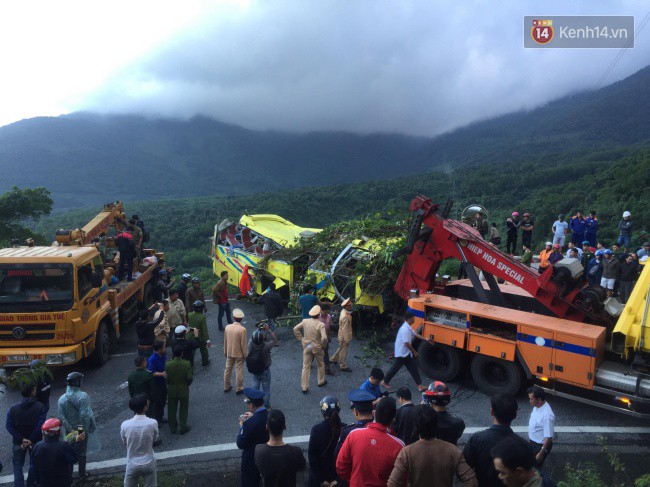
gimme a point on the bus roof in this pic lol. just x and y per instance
(277, 228)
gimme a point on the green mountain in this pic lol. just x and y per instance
(609, 182)
(87, 159)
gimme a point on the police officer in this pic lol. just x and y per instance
(450, 428)
(252, 432)
(196, 321)
(361, 405)
(182, 287)
(189, 345)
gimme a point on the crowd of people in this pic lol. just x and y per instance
(389, 442)
(615, 268)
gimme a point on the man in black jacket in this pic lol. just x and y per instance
(450, 428)
(24, 421)
(52, 458)
(478, 448)
(273, 306)
(406, 416)
(126, 246)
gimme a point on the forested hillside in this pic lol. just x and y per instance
(608, 182)
(86, 159)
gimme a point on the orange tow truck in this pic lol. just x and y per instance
(512, 324)
(60, 303)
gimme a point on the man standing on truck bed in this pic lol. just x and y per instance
(126, 246)
(220, 298)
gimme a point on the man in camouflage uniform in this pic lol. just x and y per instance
(587, 255)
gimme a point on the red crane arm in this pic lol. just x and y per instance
(446, 238)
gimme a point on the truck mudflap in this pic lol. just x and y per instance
(53, 356)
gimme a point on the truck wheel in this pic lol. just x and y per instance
(102, 346)
(439, 362)
(494, 376)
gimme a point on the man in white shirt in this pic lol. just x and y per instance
(405, 354)
(139, 434)
(541, 425)
(560, 229)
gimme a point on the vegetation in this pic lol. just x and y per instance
(87, 159)
(16, 206)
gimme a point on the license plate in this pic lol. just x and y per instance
(18, 358)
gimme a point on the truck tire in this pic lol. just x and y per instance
(493, 376)
(440, 362)
(102, 346)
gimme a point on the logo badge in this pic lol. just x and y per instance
(542, 31)
(19, 333)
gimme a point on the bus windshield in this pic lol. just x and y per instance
(36, 286)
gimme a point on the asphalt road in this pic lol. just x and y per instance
(214, 414)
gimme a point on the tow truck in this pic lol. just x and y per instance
(515, 325)
(61, 303)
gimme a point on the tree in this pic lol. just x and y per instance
(20, 204)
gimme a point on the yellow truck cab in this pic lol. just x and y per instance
(57, 304)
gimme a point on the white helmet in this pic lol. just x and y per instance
(180, 329)
(626, 214)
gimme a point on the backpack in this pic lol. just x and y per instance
(255, 360)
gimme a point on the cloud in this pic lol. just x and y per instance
(365, 65)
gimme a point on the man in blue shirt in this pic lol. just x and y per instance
(307, 301)
(592, 228)
(578, 228)
(156, 365)
(371, 384)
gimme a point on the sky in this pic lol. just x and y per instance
(419, 67)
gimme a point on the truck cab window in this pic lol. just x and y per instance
(84, 283)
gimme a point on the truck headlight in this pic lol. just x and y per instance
(69, 358)
(54, 359)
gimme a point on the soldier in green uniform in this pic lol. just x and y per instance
(587, 255)
(619, 252)
(141, 381)
(527, 256)
(179, 378)
(196, 320)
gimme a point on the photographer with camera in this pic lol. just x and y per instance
(258, 361)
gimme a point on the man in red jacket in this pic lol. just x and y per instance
(368, 454)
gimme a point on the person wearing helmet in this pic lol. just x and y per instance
(220, 298)
(163, 285)
(53, 459)
(182, 287)
(76, 411)
(578, 227)
(591, 234)
(197, 321)
(438, 396)
(560, 229)
(24, 421)
(595, 269)
(611, 270)
(556, 255)
(258, 360)
(644, 251)
(512, 230)
(322, 444)
(44, 386)
(625, 230)
(187, 341)
(194, 294)
(527, 227)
